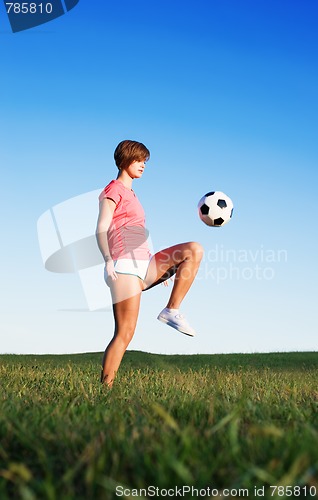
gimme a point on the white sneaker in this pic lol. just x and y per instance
(173, 318)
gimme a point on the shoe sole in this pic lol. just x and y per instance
(173, 325)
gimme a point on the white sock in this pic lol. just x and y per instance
(171, 311)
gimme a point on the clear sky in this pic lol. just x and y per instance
(224, 94)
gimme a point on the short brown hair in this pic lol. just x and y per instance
(129, 151)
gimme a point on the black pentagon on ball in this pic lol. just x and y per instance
(204, 209)
(210, 193)
(218, 222)
(231, 213)
(222, 203)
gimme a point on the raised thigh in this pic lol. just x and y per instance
(164, 264)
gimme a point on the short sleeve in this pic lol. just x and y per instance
(112, 191)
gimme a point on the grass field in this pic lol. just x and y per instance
(222, 424)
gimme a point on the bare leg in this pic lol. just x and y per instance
(126, 291)
(182, 260)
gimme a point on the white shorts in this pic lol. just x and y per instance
(132, 266)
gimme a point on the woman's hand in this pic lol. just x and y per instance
(166, 283)
(109, 272)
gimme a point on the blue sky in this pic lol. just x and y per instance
(224, 94)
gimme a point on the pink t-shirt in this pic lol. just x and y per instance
(127, 235)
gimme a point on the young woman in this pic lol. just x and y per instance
(129, 267)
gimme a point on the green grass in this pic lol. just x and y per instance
(218, 421)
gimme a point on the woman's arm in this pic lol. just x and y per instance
(106, 212)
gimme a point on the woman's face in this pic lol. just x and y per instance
(136, 169)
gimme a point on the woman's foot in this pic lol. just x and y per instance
(175, 319)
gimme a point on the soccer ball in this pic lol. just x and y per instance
(215, 208)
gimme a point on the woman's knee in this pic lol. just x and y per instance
(125, 335)
(196, 250)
